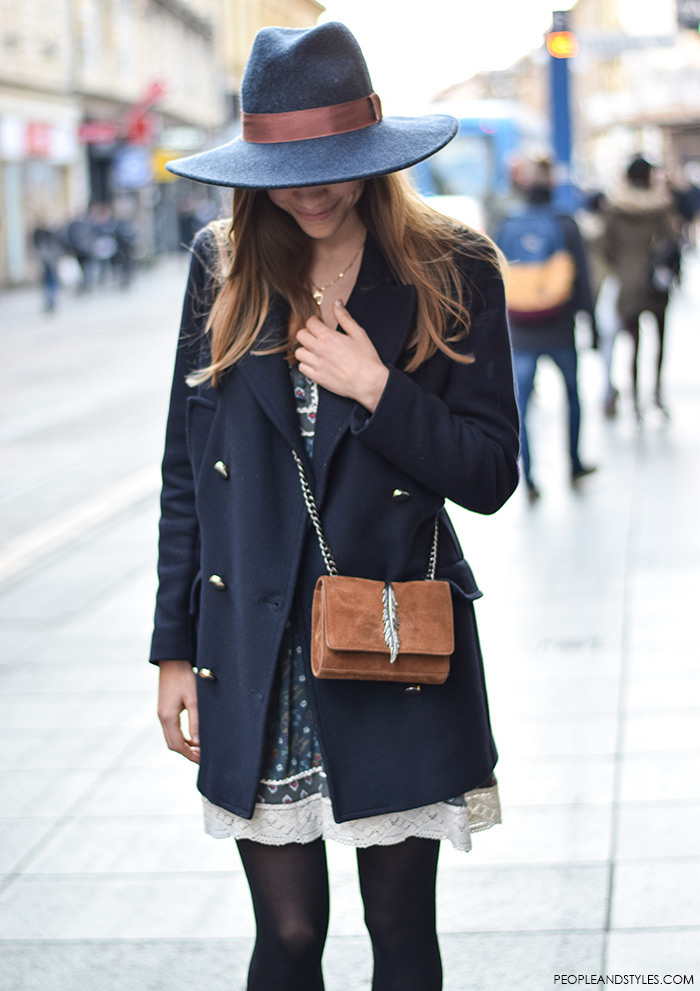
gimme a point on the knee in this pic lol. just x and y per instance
(300, 939)
(383, 927)
(389, 928)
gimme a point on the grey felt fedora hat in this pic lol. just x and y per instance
(310, 117)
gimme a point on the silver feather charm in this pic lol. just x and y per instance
(391, 621)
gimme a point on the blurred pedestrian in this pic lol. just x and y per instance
(548, 284)
(126, 237)
(686, 199)
(80, 236)
(642, 249)
(49, 249)
(364, 335)
(503, 205)
(104, 248)
(605, 288)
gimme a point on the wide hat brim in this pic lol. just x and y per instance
(392, 144)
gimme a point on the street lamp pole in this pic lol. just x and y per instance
(562, 46)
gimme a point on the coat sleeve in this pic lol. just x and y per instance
(173, 635)
(583, 294)
(463, 441)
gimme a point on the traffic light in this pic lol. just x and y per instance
(562, 44)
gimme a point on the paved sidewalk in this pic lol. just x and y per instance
(589, 626)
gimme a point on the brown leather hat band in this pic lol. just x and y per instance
(318, 122)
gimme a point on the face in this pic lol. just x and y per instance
(322, 212)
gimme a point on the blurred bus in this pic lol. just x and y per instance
(469, 177)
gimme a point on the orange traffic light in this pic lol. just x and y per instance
(562, 44)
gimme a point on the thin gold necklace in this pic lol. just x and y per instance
(319, 290)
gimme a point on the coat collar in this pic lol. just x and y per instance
(385, 310)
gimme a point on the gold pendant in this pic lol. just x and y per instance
(318, 296)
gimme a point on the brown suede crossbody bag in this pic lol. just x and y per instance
(369, 630)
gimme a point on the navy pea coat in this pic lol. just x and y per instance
(238, 555)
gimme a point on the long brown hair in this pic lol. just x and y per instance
(262, 252)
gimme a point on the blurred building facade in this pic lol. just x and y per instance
(95, 95)
(635, 87)
(241, 21)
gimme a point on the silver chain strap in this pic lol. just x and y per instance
(432, 563)
(331, 566)
(312, 509)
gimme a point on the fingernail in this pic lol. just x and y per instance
(196, 741)
(338, 303)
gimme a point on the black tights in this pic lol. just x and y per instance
(632, 327)
(289, 887)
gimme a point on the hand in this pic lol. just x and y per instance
(346, 364)
(177, 693)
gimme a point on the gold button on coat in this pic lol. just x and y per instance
(206, 674)
(222, 469)
(400, 495)
(217, 580)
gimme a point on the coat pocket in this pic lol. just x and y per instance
(462, 581)
(195, 595)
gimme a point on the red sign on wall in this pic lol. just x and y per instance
(98, 132)
(37, 139)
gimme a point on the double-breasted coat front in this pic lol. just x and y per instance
(238, 555)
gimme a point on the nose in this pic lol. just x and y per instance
(310, 194)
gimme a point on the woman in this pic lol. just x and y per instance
(641, 247)
(340, 319)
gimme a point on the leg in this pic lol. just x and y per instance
(608, 320)
(566, 361)
(289, 888)
(607, 345)
(632, 328)
(661, 327)
(525, 366)
(398, 891)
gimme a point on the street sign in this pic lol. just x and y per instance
(131, 167)
(182, 138)
(98, 132)
(613, 44)
(159, 157)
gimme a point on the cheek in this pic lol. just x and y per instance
(356, 194)
(278, 199)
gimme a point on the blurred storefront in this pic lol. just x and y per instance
(41, 167)
(96, 95)
(41, 173)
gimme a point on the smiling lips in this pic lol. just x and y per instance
(315, 217)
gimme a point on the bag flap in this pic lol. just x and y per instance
(353, 612)
(540, 285)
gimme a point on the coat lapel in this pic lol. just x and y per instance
(269, 380)
(386, 311)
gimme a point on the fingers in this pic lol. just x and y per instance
(315, 328)
(350, 326)
(193, 722)
(176, 739)
(177, 693)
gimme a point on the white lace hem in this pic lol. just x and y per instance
(312, 818)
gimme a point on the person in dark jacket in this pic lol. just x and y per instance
(49, 250)
(550, 334)
(641, 245)
(338, 319)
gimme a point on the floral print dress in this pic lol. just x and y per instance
(293, 805)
